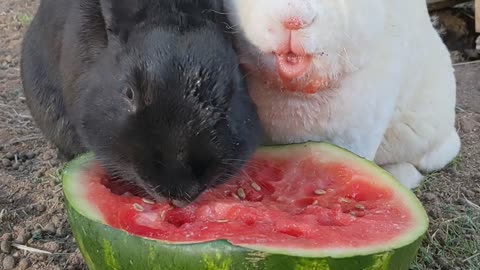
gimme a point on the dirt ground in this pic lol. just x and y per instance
(33, 227)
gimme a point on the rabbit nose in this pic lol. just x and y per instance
(295, 23)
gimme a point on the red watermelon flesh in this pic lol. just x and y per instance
(296, 201)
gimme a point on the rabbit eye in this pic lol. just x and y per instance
(129, 93)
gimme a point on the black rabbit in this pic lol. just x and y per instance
(152, 87)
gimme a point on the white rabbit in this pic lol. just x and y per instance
(372, 76)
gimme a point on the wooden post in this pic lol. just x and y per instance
(477, 16)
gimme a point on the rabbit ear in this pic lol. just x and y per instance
(119, 16)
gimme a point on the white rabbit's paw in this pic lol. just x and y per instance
(406, 174)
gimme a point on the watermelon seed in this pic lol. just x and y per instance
(315, 202)
(330, 190)
(235, 196)
(344, 200)
(320, 192)
(241, 193)
(256, 186)
(162, 216)
(360, 206)
(353, 213)
(222, 221)
(138, 207)
(147, 201)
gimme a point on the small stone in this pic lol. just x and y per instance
(21, 168)
(60, 232)
(6, 162)
(41, 208)
(22, 156)
(46, 156)
(30, 155)
(23, 264)
(16, 165)
(10, 156)
(5, 247)
(16, 254)
(22, 238)
(41, 257)
(429, 196)
(39, 173)
(468, 124)
(50, 229)
(7, 236)
(469, 193)
(8, 263)
(55, 220)
(51, 246)
(461, 201)
(8, 58)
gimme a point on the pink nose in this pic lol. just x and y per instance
(294, 23)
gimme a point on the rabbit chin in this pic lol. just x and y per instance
(324, 73)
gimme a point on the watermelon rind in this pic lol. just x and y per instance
(104, 247)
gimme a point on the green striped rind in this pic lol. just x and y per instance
(106, 248)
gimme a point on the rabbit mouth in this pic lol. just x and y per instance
(310, 81)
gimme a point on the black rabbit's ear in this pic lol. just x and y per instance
(119, 18)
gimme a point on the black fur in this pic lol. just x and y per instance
(153, 87)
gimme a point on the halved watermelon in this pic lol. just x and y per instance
(305, 206)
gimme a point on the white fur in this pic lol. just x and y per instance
(396, 94)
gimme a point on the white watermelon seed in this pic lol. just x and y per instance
(241, 193)
(256, 186)
(344, 200)
(162, 216)
(320, 192)
(147, 201)
(360, 206)
(138, 207)
(222, 221)
(315, 202)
